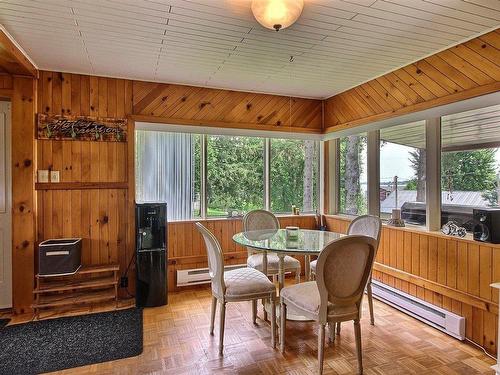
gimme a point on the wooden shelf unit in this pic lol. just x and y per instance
(89, 285)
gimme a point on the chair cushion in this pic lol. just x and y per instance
(313, 266)
(305, 296)
(246, 282)
(290, 263)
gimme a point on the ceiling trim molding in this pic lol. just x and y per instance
(12, 51)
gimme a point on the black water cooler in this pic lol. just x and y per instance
(151, 248)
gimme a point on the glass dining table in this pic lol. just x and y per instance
(306, 242)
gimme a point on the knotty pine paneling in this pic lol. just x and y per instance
(6, 81)
(79, 95)
(6, 86)
(186, 248)
(461, 72)
(23, 197)
(223, 108)
(454, 274)
(98, 214)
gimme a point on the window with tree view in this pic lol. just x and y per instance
(235, 174)
(353, 181)
(294, 175)
(402, 172)
(228, 173)
(470, 162)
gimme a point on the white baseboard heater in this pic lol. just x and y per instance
(199, 275)
(446, 321)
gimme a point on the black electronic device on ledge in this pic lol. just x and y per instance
(486, 225)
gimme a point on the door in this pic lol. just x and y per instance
(5, 208)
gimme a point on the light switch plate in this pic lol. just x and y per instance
(43, 175)
(54, 176)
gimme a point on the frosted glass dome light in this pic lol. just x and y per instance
(277, 14)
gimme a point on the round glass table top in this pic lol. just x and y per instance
(306, 241)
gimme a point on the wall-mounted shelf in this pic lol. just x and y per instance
(80, 185)
(91, 284)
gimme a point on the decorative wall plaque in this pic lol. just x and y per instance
(81, 128)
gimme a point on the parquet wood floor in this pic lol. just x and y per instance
(176, 341)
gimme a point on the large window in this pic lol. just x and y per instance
(235, 174)
(402, 172)
(353, 180)
(469, 171)
(470, 162)
(218, 176)
(294, 175)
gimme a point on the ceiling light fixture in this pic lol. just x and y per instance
(277, 14)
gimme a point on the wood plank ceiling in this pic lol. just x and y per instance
(334, 46)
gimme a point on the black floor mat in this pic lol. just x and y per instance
(57, 344)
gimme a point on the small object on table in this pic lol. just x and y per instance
(452, 229)
(319, 222)
(293, 209)
(395, 220)
(292, 233)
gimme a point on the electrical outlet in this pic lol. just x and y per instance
(124, 281)
(43, 175)
(54, 176)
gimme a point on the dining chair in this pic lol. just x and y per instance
(343, 269)
(241, 284)
(367, 225)
(264, 220)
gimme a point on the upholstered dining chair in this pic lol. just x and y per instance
(342, 271)
(265, 220)
(242, 284)
(366, 225)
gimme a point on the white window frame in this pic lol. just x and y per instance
(432, 119)
(266, 135)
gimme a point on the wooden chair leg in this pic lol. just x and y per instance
(254, 311)
(275, 278)
(273, 322)
(212, 314)
(221, 326)
(338, 328)
(264, 314)
(282, 327)
(321, 347)
(370, 302)
(357, 333)
(297, 276)
(331, 332)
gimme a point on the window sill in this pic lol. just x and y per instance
(224, 218)
(421, 229)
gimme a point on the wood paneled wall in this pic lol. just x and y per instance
(186, 249)
(96, 193)
(6, 81)
(465, 71)
(23, 196)
(190, 105)
(91, 201)
(452, 273)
